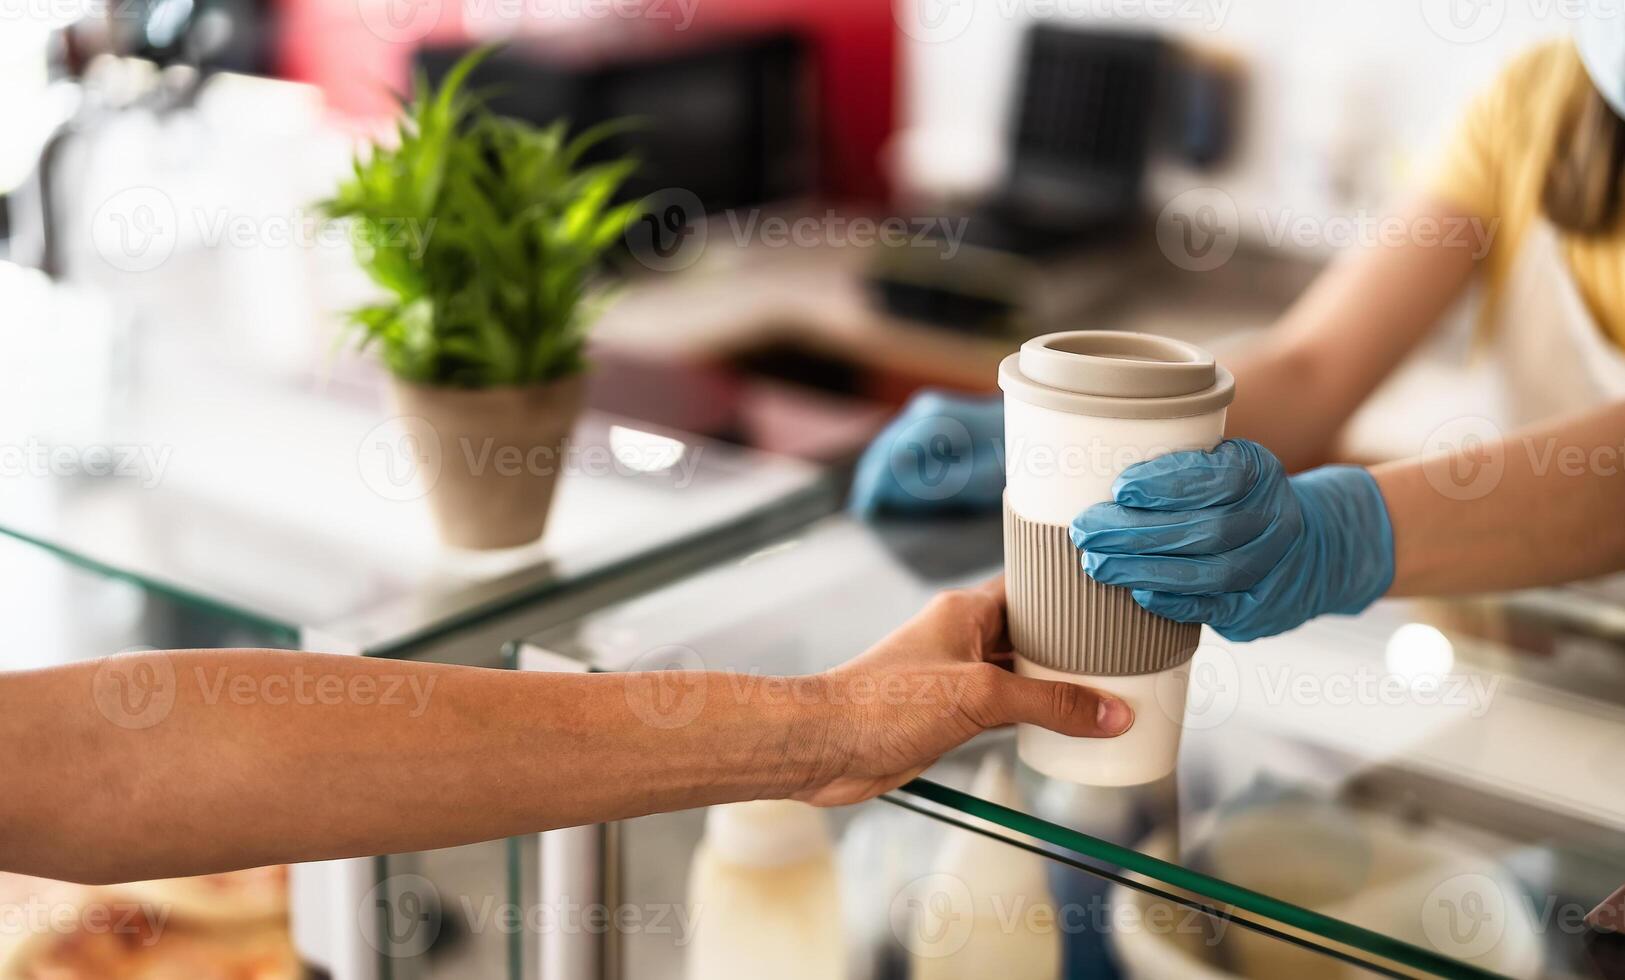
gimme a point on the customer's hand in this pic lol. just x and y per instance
(941, 454)
(1227, 538)
(936, 681)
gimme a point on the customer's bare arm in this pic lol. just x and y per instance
(185, 762)
(1349, 330)
(1538, 507)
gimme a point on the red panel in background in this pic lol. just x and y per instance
(360, 61)
(359, 51)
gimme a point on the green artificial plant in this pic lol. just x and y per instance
(489, 236)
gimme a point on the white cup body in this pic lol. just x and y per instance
(1145, 753)
(1057, 464)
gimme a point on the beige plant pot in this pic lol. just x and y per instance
(500, 453)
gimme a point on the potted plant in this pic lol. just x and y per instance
(487, 235)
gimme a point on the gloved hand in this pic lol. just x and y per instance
(942, 454)
(1227, 538)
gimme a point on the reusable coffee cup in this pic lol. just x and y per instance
(1080, 407)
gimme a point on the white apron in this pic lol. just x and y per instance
(1550, 353)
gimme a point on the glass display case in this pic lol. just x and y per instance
(1427, 789)
(247, 507)
(300, 506)
(899, 893)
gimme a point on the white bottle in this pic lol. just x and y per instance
(764, 896)
(986, 910)
(1079, 408)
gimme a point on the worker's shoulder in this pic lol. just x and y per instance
(1543, 73)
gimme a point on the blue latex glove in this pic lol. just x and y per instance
(1227, 538)
(942, 454)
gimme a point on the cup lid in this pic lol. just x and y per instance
(1116, 374)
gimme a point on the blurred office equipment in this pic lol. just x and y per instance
(1083, 132)
(1205, 99)
(84, 100)
(212, 35)
(146, 57)
(1083, 126)
(1093, 109)
(184, 191)
(728, 119)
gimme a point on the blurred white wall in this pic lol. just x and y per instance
(27, 111)
(1346, 98)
